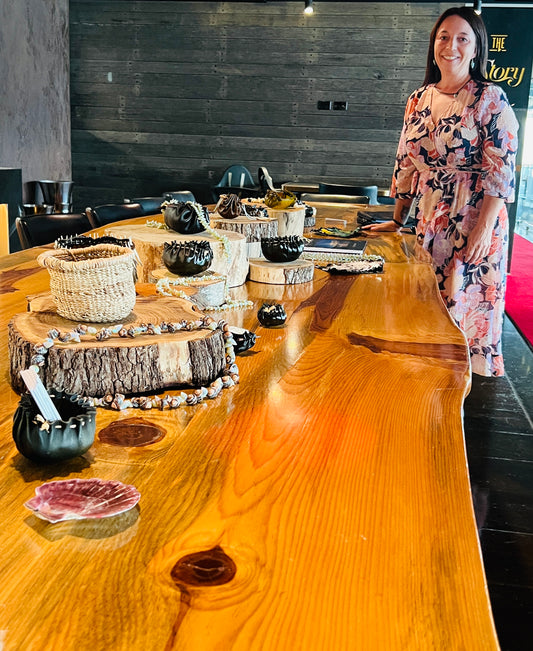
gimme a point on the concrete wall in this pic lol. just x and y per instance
(34, 82)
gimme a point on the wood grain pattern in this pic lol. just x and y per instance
(332, 479)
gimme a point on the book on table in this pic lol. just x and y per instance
(332, 245)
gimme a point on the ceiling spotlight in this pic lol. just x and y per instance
(477, 7)
(308, 7)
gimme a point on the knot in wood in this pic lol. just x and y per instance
(205, 568)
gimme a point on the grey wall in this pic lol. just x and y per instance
(166, 95)
(34, 78)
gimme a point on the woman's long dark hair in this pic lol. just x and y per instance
(479, 71)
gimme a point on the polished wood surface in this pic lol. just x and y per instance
(323, 503)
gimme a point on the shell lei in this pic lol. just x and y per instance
(338, 257)
(168, 287)
(119, 401)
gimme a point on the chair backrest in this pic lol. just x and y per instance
(387, 201)
(179, 195)
(38, 230)
(149, 205)
(237, 176)
(265, 180)
(333, 198)
(112, 212)
(370, 191)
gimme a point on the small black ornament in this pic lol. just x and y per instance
(244, 339)
(271, 315)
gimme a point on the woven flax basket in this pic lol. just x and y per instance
(95, 284)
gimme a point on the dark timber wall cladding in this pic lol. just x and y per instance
(166, 95)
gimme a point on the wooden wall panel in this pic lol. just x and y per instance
(166, 95)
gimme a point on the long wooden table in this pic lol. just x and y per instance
(328, 491)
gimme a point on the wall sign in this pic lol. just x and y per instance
(510, 52)
(509, 65)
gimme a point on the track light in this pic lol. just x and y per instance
(477, 7)
(308, 7)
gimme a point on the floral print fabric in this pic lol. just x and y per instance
(447, 168)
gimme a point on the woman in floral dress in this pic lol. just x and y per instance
(456, 166)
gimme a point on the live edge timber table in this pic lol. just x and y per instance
(327, 494)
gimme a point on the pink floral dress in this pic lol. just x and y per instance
(447, 168)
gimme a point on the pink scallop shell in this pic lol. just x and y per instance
(77, 499)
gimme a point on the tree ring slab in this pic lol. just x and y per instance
(206, 289)
(281, 273)
(127, 365)
(290, 220)
(150, 243)
(252, 229)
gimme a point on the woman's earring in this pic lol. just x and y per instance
(472, 64)
(434, 62)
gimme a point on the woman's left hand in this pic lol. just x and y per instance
(478, 244)
(479, 240)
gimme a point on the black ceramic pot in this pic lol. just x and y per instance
(271, 315)
(183, 217)
(187, 258)
(282, 249)
(58, 440)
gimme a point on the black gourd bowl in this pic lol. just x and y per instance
(182, 217)
(282, 249)
(187, 258)
(64, 439)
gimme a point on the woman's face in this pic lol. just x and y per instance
(455, 47)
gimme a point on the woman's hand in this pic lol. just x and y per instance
(479, 239)
(386, 227)
(394, 225)
(478, 244)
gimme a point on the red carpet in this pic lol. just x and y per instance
(519, 296)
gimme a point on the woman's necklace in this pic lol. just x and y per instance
(455, 93)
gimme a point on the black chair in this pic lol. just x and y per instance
(237, 179)
(179, 195)
(38, 230)
(386, 201)
(370, 191)
(149, 205)
(265, 180)
(333, 198)
(111, 212)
